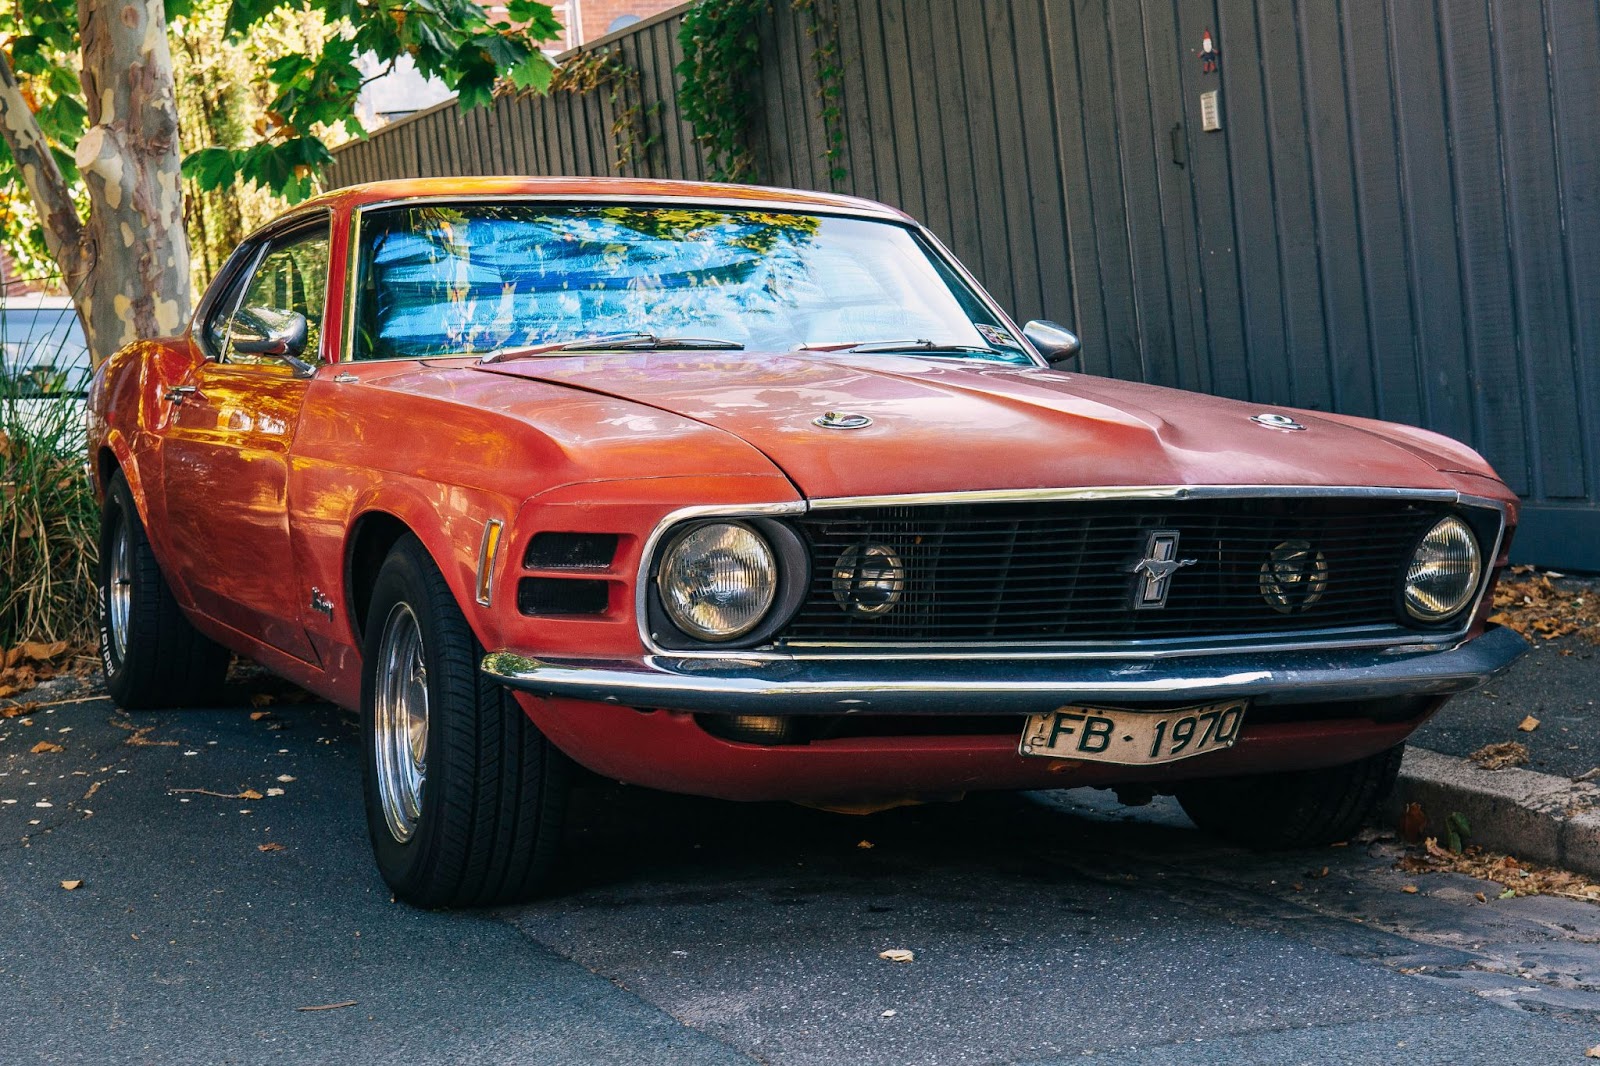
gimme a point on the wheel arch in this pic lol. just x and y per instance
(373, 535)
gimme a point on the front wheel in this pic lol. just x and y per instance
(464, 795)
(1300, 809)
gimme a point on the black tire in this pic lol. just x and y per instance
(1307, 808)
(492, 789)
(160, 659)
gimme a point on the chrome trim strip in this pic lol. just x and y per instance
(1157, 649)
(664, 198)
(488, 552)
(932, 688)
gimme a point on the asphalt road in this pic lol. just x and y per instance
(1557, 682)
(1046, 928)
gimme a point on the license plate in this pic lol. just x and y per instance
(1133, 738)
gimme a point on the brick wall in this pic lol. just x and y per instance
(594, 17)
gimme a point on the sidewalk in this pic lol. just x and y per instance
(1546, 808)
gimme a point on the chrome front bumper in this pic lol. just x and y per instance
(1007, 686)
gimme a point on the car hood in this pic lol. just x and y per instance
(941, 425)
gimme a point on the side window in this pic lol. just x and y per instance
(292, 276)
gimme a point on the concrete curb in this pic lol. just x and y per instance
(1533, 816)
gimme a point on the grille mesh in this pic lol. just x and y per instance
(1061, 570)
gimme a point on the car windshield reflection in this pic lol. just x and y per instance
(510, 280)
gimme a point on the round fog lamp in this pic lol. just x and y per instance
(868, 579)
(1444, 572)
(1294, 577)
(718, 581)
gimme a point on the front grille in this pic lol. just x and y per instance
(1061, 571)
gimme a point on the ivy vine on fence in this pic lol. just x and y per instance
(605, 70)
(721, 42)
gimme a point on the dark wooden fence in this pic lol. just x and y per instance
(1399, 217)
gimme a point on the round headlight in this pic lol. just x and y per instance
(718, 581)
(868, 579)
(1444, 572)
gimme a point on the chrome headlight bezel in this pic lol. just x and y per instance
(789, 564)
(1429, 609)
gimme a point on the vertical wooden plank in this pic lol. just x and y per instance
(1305, 352)
(926, 51)
(1135, 138)
(946, 20)
(858, 54)
(1532, 198)
(773, 147)
(1477, 179)
(1040, 209)
(1574, 29)
(1184, 363)
(1386, 256)
(903, 108)
(694, 164)
(1086, 314)
(1122, 355)
(1347, 346)
(992, 258)
(1445, 399)
(1217, 249)
(1245, 128)
(667, 122)
(1010, 164)
(871, 129)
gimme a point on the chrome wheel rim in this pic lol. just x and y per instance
(119, 594)
(400, 722)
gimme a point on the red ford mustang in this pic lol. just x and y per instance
(756, 494)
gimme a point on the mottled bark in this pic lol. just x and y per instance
(138, 283)
(63, 230)
(127, 267)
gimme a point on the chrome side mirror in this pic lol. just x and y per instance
(1057, 344)
(273, 333)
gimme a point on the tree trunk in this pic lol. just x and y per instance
(138, 282)
(127, 267)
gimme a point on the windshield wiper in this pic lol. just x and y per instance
(891, 347)
(618, 342)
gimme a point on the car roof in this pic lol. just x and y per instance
(700, 192)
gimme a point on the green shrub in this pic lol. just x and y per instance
(48, 519)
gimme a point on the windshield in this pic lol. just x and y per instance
(480, 278)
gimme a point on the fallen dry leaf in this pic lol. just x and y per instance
(1528, 724)
(1519, 878)
(93, 789)
(864, 844)
(18, 710)
(44, 746)
(269, 847)
(73, 885)
(1592, 1053)
(1534, 606)
(249, 794)
(256, 716)
(897, 955)
(274, 791)
(1501, 756)
(1480, 897)
(285, 778)
(1412, 822)
(1410, 890)
(140, 738)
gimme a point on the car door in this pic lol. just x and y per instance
(226, 448)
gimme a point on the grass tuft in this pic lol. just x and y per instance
(49, 522)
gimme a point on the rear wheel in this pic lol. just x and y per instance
(464, 796)
(1301, 809)
(151, 654)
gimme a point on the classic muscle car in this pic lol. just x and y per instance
(756, 494)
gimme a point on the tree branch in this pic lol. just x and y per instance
(63, 229)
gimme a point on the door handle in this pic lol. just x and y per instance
(178, 392)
